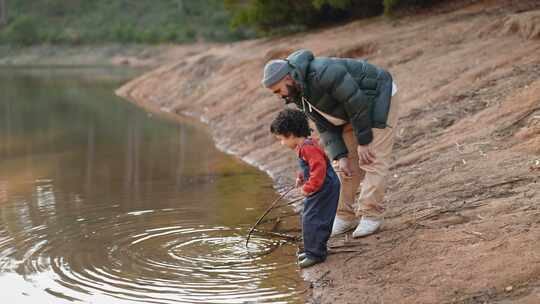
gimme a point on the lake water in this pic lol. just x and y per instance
(101, 202)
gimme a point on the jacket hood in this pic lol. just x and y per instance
(300, 60)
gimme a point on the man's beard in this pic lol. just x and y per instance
(294, 94)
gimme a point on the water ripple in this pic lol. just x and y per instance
(126, 258)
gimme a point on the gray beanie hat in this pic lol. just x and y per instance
(274, 71)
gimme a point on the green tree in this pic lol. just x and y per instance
(277, 16)
(3, 13)
(24, 30)
(271, 16)
(268, 15)
(390, 6)
(342, 4)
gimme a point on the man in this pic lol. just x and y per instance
(352, 105)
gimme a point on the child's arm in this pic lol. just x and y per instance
(317, 169)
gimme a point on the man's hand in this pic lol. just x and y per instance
(365, 155)
(343, 165)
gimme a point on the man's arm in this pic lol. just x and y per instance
(333, 143)
(337, 81)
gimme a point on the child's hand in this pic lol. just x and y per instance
(299, 179)
(306, 194)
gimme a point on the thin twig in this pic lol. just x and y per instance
(345, 251)
(276, 224)
(281, 235)
(281, 216)
(266, 212)
(322, 277)
(477, 234)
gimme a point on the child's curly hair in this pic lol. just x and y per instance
(290, 122)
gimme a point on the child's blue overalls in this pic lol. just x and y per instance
(319, 213)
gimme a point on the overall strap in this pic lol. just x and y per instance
(310, 141)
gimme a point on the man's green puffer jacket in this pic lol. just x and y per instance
(349, 89)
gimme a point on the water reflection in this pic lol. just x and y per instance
(3, 192)
(103, 203)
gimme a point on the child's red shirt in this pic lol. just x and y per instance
(314, 155)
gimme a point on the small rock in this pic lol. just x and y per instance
(508, 288)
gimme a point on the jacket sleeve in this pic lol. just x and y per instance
(337, 81)
(317, 168)
(333, 143)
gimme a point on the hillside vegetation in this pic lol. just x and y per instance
(31, 22)
(97, 21)
(278, 17)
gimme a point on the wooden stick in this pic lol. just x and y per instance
(277, 234)
(265, 213)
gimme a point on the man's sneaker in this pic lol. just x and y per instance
(307, 262)
(301, 256)
(342, 226)
(366, 227)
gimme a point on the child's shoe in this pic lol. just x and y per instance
(307, 262)
(341, 226)
(366, 227)
(301, 256)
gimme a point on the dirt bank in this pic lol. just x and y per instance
(464, 219)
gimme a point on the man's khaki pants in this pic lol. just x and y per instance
(372, 177)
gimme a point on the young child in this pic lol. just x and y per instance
(320, 184)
